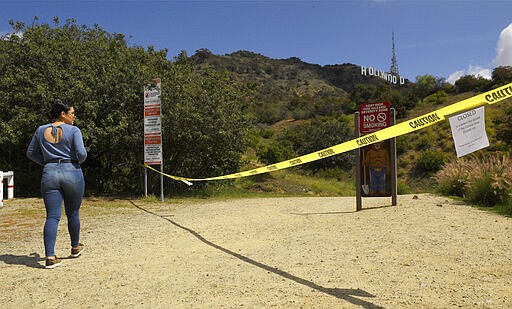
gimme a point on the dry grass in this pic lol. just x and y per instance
(21, 216)
(484, 180)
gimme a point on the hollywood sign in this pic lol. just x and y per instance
(394, 79)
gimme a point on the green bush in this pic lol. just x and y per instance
(505, 209)
(266, 133)
(429, 161)
(321, 133)
(482, 193)
(436, 98)
(331, 173)
(484, 181)
(402, 144)
(273, 153)
(453, 178)
(403, 188)
(492, 181)
(503, 127)
(424, 141)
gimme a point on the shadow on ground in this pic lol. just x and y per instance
(31, 260)
(349, 295)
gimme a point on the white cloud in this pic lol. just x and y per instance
(455, 76)
(474, 70)
(504, 48)
(479, 72)
(7, 34)
(503, 58)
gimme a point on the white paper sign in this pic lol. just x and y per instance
(152, 124)
(152, 154)
(468, 131)
(152, 93)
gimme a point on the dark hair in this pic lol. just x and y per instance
(59, 107)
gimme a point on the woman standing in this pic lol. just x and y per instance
(59, 148)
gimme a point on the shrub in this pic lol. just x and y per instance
(331, 173)
(484, 181)
(402, 144)
(273, 153)
(453, 178)
(266, 133)
(491, 183)
(502, 126)
(429, 161)
(318, 134)
(436, 98)
(482, 193)
(423, 142)
(403, 188)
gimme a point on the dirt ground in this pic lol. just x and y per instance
(307, 252)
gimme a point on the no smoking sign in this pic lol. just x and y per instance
(373, 117)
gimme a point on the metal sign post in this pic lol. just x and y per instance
(153, 132)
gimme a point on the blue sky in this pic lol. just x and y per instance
(442, 38)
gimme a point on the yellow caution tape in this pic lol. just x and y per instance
(489, 97)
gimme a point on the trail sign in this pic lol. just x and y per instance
(376, 174)
(153, 131)
(152, 123)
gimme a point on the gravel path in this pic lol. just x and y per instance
(307, 252)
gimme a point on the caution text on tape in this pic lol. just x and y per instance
(489, 97)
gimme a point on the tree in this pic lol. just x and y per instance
(436, 98)
(471, 83)
(363, 93)
(502, 75)
(205, 122)
(274, 152)
(318, 134)
(182, 56)
(502, 126)
(425, 85)
(104, 77)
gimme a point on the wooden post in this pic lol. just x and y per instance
(393, 159)
(359, 200)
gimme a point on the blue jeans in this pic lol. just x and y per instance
(377, 179)
(61, 182)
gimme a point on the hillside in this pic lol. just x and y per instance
(282, 87)
(220, 113)
(288, 93)
(291, 71)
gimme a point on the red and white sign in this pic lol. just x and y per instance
(152, 124)
(151, 110)
(373, 117)
(152, 93)
(152, 139)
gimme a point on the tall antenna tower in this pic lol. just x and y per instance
(394, 64)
